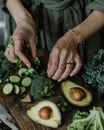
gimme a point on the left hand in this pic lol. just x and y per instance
(64, 59)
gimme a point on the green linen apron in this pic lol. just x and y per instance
(55, 17)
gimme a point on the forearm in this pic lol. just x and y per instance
(17, 10)
(91, 24)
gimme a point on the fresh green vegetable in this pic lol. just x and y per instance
(8, 88)
(26, 82)
(22, 90)
(16, 89)
(11, 41)
(94, 72)
(94, 120)
(14, 79)
(22, 72)
(45, 113)
(41, 87)
(6, 67)
(19, 84)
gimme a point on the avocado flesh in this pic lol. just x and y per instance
(68, 85)
(53, 122)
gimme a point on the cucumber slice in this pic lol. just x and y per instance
(8, 88)
(16, 89)
(22, 72)
(22, 90)
(14, 79)
(26, 82)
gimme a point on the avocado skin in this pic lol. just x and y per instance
(54, 122)
(67, 85)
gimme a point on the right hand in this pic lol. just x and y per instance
(24, 33)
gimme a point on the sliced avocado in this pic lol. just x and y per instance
(76, 94)
(45, 113)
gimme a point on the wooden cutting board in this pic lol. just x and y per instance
(18, 109)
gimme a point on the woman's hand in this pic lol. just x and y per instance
(24, 33)
(64, 59)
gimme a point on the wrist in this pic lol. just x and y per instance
(25, 17)
(77, 36)
(17, 10)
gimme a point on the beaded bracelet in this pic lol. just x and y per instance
(78, 35)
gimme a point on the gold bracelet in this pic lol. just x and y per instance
(79, 37)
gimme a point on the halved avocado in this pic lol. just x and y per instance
(76, 94)
(45, 113)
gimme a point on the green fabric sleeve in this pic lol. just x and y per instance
(9, 21)
(95, 5)
(26, 3)
(2, 5)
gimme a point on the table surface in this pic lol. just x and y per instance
(18, 109)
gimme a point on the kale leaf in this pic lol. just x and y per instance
(94, 72)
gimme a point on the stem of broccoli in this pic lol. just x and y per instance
(90, 122)
(100, 121)
(95, 124)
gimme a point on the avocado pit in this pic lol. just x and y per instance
(45, 112)
(77, 94)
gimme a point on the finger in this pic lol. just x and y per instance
(54, 61)
(18, 51)
(11, 53)
(69, 67)
(33, 47)
(77, 66)
(62, 65)
(49, 63)
(7, 54)
(67, 72)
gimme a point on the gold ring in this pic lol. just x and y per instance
(70, 62)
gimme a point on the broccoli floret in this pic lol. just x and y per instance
(41, 87)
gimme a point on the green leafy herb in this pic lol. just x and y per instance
(84, 121)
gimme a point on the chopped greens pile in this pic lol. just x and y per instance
(94, 72)
(94, 120)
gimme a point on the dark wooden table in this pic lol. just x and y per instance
(18, 109)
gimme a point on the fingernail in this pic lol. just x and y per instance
(71, 74)
(49, 76)
(28, 65)
(59, 80)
